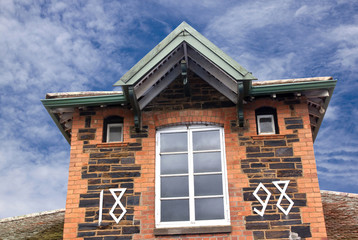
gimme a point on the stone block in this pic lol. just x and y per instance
(87, 226)
(104, 168)
(277, 234)
(270, 160)
(252, 149)
(274, 143)
(289, 173)
(284, 152)
(87, 130)
(124, 174)
(86, 136)
(97, 155)
(257, 225)
(282, 165)
(118, 238)
(92, 175)
(292, 160)
(108, 160)
(85, 234)
(127, 185)
(263, 218)
(287, 222)
(259, 235)
(302, 231)
(112, 232)
(127, 160)
(130, 230)
(266, 154)
(289, 121)
(296, 126)
(251, 170)
(257, 165)
(100, 187)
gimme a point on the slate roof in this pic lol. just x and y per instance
(44, 225)
(340, 212)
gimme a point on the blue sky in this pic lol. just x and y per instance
(54, 46)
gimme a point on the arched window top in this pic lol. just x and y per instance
(266, 121)
(113, 119)
(265, 110)
(113, 129)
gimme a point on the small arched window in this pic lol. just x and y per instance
(266, 121)
(113, 129)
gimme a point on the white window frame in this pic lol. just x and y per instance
(192, 222)
(109, 125)
(272, 124)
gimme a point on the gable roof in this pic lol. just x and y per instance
(182, 50)
(184, 33)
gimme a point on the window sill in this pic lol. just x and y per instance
(112, 144)
(269, 136)
(192, 230)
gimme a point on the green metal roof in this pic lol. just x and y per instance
(84, 101)
(291, 87)
(52, 104)
(185, 33)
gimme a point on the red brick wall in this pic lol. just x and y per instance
(87, 139)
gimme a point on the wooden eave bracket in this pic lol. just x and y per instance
(240, 103)
(136, 110)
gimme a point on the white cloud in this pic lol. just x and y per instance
(51, 47)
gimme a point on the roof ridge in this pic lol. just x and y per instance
(345, 194)
(9, 219)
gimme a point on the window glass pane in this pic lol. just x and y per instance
(208, 185)
(207, 162)
(115, 134)
(209, 208)
(266, 125)
(206, 140)
(175, 210)
(173, 142)
(174, 164)
(174, 186)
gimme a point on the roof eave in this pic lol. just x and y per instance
(51, 104)
(298, 87)
(291, 87)
(84, 101)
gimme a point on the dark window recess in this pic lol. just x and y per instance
(88, 122)
(110, 120)
(261, 114)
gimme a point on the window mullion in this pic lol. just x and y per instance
(191, 176)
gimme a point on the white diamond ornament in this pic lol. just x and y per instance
(118, 202)
(283, 194)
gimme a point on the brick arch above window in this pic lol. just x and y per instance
(190, 123)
